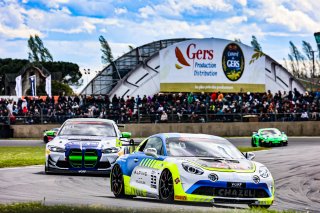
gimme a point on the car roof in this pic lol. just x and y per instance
(90, 120)
(268, 129)
(189, 135)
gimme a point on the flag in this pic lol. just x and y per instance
(18, 86)
(33, 85)
(48, 85)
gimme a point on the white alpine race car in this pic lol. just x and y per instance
(192, 167)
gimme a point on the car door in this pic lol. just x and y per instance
(144, 175)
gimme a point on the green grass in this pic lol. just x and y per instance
(37, 207)
(251, 149)
(12, 156)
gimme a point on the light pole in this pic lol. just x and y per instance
(87, 73)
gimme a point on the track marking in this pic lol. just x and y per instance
(22, 167)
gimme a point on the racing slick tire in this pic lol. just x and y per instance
(117, 183)
(259, 206)
(285, 143)
(166, 190)
(46, 169)
(253, 144)
(45, 139)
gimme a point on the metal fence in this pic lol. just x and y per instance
(171, 118)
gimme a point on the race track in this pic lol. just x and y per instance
(296, 170)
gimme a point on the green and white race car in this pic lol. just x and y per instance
(48, 135)
(269, 137)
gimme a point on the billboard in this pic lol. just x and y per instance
(207, 65)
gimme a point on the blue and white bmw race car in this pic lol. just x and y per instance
(192, 167)
(85, 145)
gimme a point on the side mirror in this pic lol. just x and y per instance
(126, 134)
(151, 152)
(249, 155)
(283, 133)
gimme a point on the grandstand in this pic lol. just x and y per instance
(138, 72)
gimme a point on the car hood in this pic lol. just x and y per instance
(81, 141)
(233, 165)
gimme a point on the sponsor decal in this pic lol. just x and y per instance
(213, 177)
(201, 60)
(177, 180)
(246, 193)
(179, 197)
(153, 181)
(233, 62)
(140, 181)
(82, 171)
(138, 172)
(236, 185)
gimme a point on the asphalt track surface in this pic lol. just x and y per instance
(296, 170)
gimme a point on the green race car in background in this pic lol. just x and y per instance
(269, 137)
(48, 135)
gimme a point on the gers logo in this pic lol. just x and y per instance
(233, 62)
(192, 53)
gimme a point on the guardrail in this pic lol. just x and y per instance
(171, 118)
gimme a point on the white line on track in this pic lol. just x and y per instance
(22, 167)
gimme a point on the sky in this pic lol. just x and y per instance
(70, 28)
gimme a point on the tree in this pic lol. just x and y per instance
(307, 49)
(255, 44)
(107, 57)
(237, 40)
(38, 53)
(295, 58)
(131, 48)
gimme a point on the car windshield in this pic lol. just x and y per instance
(201, 147)
(88, 129)
(270, 132)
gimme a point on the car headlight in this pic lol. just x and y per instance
(56, 149)
(110, 150)
(192, 169)
(264, 172)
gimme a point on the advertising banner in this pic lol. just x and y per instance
(33, 85)
(18, 87)
(48, 86)
(207, 65)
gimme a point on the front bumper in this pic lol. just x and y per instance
(225, 200)
(60, 162)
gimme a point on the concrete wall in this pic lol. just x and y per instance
(307, 128)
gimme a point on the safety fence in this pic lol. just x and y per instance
(169, 118)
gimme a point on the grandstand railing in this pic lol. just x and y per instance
(172, 118)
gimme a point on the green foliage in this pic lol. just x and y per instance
(256, 55)
(67, 69)
(107, 56)
(13, 156)
(9, 65)
(255, 44)
(38, 53)
(58, 88)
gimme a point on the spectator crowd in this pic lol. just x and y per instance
(169, 107)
